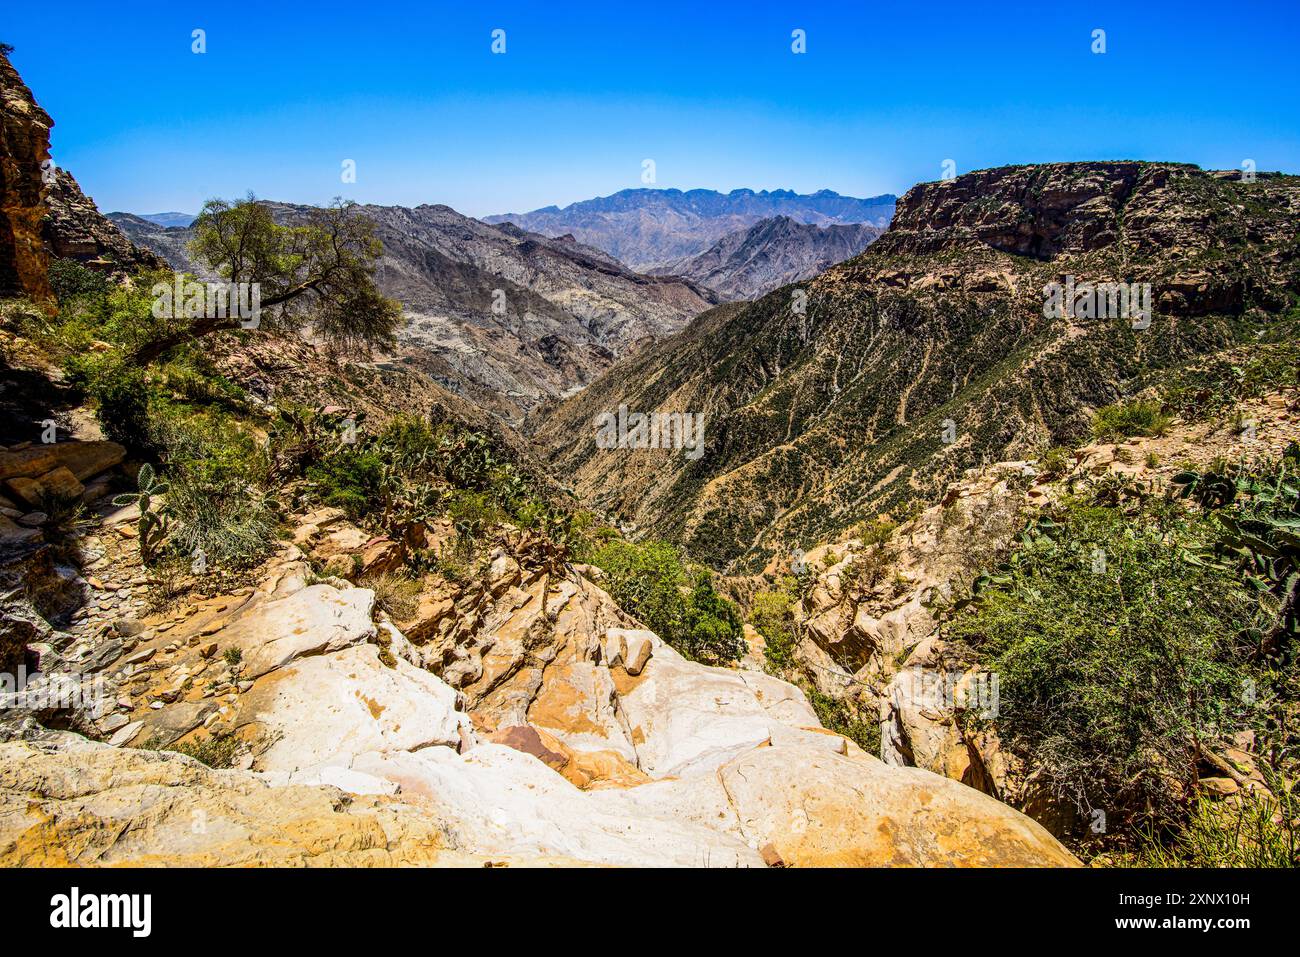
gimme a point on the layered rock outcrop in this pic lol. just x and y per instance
(76, 229)
(24, 156)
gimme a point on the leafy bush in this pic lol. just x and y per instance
(413, 471)
(711, 627)
(472, 513)
(69, 279)
(1118, 651)
(119, 393)
(679, 604)
(1055, 462)
(1124, 419)
(352, 479)
(863, 729)
(772, 615)
(875, 532)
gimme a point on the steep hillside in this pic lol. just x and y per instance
(503, 317)
(931, 352)
(771, 253)
(654, 227)
(169, 242)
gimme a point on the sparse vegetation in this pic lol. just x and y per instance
(1139, 417)
(215, 750)
(1254, 831)
(396, 594)
(863, 729)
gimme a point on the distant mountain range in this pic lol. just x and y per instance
(770, 254)
(653, 228)
(565, 311)
(163, 219)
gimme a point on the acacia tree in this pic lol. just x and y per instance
(318, 272)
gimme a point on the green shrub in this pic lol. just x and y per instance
(772, 615)
(863, 729)
(472, 514)
(210, 444)
(69, 279)
(352, 480)
(646, 579)
(227, 523)
(711, 627)
(1124, 419)
(1117, 650)
(876, 532)
(1055, 462)
(119, 393)
(679, 604)
(1257, 831)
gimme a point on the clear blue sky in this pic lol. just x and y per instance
(711, 91)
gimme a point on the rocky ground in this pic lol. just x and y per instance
(517, 717)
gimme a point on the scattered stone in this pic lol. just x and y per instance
(771, 856)
(125, 734)
(57, 483)
(128, 627)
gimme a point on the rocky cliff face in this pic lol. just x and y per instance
(886, 376)
(771, 253)
(650, 228)
(76, 229)
(503, 317)
(24, 153)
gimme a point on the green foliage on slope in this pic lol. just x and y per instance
(1133, 635)
(675, 600)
